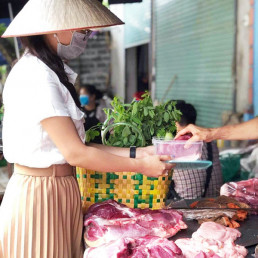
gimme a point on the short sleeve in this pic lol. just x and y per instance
(50, 99)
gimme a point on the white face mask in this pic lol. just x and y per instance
(75, 48)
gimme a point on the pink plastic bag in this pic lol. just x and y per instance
(245, 191)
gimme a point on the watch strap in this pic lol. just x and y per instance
(133, 152)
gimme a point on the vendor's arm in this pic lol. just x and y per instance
(243, 131)
(141, 152)
(64, 134)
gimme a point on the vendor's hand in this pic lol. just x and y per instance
(199, 133)
(142, 152)
(153, 166)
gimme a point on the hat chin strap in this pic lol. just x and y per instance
(55, 35)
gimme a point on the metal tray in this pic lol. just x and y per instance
(194, 165)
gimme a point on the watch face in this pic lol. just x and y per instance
(132, 152)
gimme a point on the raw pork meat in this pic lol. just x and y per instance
(210, 254)
(184, 137)
(109, 220)
(118, 248)
(176, 148)
(214, 231)
(212, 240)
(245, 191)
(154, 247)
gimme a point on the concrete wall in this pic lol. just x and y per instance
(242, 56)
(118, 53)
(131, 73)
(94, 64)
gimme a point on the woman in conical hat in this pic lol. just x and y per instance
(41, 210)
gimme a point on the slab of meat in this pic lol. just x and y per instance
(210, 254)
(109, 220)
(156, 247)
(212, 239)
(147, 247)
(184, 137)
(245, 191)
(214, 231)
(118, 248)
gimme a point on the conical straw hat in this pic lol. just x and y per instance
(50, 16)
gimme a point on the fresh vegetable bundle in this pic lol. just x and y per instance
(136, 123)
(127, 125)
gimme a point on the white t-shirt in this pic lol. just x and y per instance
(31, 94)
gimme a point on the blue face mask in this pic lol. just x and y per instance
(84, 99)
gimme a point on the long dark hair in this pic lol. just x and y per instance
(38, 47)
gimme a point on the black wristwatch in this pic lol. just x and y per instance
(133, 152)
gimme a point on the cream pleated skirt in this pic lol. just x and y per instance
(41, 217)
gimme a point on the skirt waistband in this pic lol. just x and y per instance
(54, 170)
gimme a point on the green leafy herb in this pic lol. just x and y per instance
(149, 119)
(92, 133)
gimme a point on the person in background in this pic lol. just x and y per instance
(191, 184)
(93, 106)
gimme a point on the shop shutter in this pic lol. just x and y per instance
(137, 23)
(195, 40)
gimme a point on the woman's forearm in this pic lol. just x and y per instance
(97, 159)
(78, 154)
(122, 152)
(243, 131)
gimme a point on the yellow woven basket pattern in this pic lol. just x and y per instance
(133, 189)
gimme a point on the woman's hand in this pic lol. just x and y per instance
(153, 166)
(142, 152)
(198, 133)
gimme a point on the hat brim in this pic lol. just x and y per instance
(51, 16)
(56, 31)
